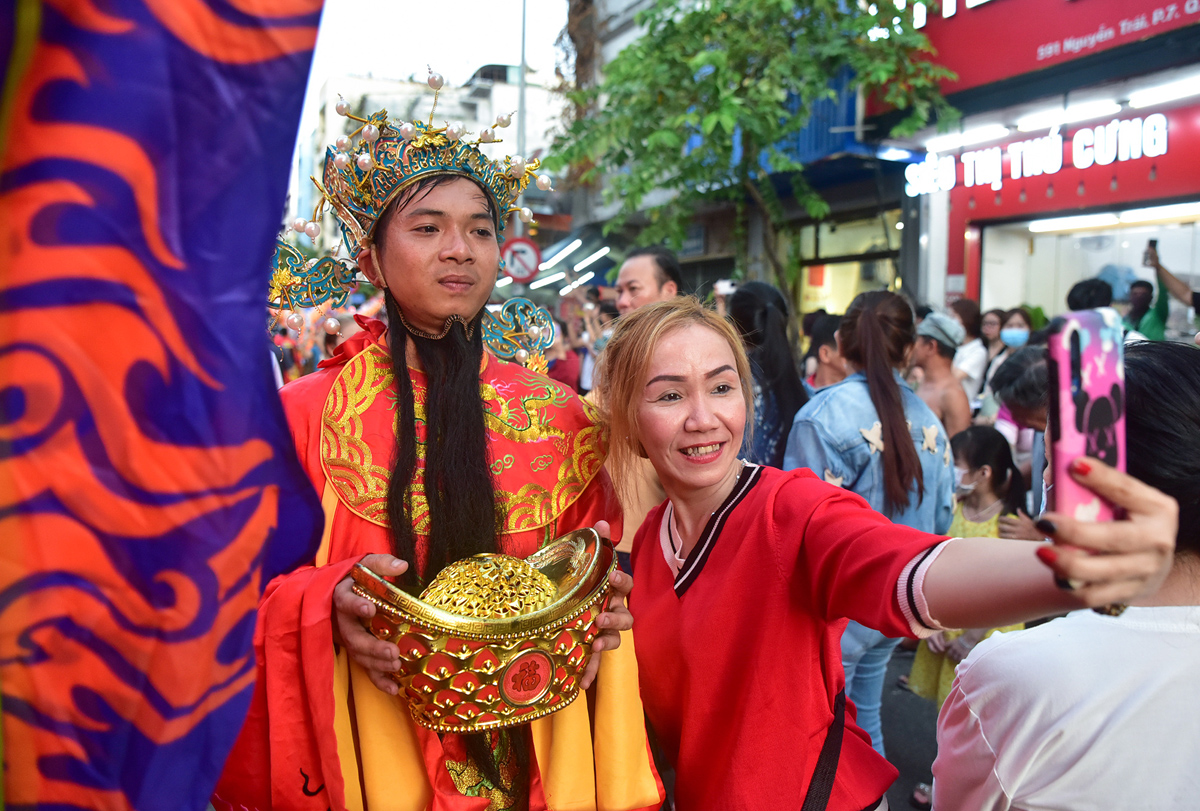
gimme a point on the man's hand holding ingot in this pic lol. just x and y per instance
(1113, 561)
(616, 617)
(377, 657)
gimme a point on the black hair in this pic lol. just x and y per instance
(922, 310)
(1141, 283)
(609, 308)
(824, 331)
(1162, 425)
(945, 350)
(760, 313)
(1090, 294)
(996, 312)
(666, 262)
(1022, 380)
(876, 332)
(982, 445)
(809, 320)
(1040, 337)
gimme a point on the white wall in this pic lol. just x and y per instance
(1003, 279)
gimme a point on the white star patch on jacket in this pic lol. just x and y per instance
(874, 437)
(930, 444)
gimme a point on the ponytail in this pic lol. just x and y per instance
(876, 333)
(1014, 496)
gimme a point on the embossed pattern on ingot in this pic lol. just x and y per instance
(490, 586)
(468, 685)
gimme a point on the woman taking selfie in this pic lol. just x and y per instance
(744, 575)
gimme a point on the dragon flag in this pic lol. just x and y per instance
(148, 486)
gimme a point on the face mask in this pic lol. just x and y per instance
(961, 487)
(1014, 337)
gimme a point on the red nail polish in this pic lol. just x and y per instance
(1047, 555)
(1081, 467)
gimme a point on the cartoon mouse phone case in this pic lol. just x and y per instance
(1087, 405)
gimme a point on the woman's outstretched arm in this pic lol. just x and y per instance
(988, 582)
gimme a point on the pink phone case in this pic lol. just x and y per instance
(1087, 405)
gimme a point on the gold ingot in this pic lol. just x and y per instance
(505, 640)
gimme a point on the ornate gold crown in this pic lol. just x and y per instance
(365, 170)
(495, 641)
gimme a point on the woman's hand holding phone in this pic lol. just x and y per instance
(1116, 561)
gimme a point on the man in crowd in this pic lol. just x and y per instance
(1150, 321)
(831, 366)
(938, 336)
(1173, 284)
(1089, 294)
(1092, 294)
(648, 275)
(428, 450)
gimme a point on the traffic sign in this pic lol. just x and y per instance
(521, 259)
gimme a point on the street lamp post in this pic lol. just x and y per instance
(520, 226)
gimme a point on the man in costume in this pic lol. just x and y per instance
(426, 450)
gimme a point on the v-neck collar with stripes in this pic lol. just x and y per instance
(687, 569)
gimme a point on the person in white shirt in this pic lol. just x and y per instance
(1093, 711)
(971, 358)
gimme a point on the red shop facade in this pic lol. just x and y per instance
(1079, 142)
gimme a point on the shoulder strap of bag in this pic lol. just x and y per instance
(821, 785)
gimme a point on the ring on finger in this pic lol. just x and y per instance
(1069, 584)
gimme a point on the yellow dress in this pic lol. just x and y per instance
(932, 674)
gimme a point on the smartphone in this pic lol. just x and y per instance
(725, 287)
(1087, 405)
(1151, 245)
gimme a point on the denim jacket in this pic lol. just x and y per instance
(837, 436)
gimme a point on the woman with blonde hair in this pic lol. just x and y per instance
(745, 574)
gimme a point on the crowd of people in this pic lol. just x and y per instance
(782, 524)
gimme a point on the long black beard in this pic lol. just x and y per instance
(459, 491)
(464, 517)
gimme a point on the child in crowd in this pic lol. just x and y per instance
(987, 486)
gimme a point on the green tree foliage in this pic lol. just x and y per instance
(727, 70)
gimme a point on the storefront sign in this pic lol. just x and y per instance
(1116, 141)
(934, 174)
(1036, 156)
(1120, 141)
(985, 41)
(1125, 162)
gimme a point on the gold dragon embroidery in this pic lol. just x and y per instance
(524, 417)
